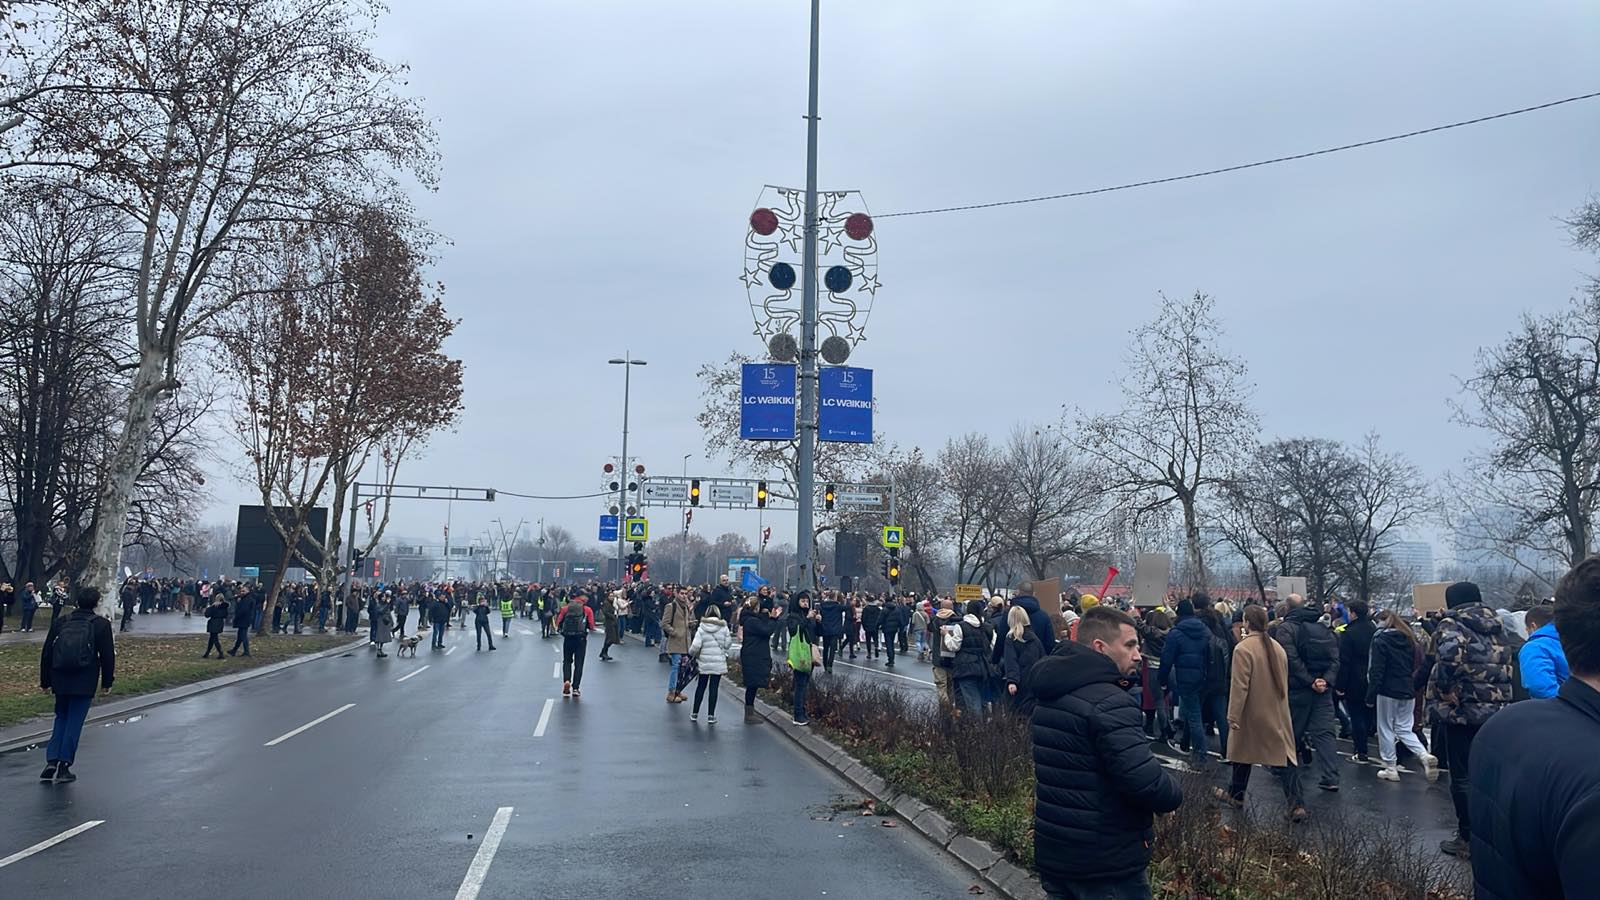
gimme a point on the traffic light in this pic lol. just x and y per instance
(761, 493)
(893, 564)
(827, 497)
(694, 492)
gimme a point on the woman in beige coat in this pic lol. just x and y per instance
(1258, 715)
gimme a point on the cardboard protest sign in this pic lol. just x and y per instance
(1152, 575)
(1291, 584)
(1429, 597)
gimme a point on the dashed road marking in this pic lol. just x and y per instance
(544, 717)
(307, 726)
(486, 851)
(50, 842)
(413, 674)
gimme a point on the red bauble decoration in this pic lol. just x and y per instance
(763, 221)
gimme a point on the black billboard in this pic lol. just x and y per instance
(850, 555)
(257, 543)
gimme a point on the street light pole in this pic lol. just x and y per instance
(808, 327)
(627, 362)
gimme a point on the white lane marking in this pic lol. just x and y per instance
(51, 842)
(525, 631)
(309, 725)
(881, 672)
(544, 717)
(557, 672)
(413, 674)
(486, 851)
(451, 650)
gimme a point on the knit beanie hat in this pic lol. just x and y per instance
(1462, 593)
(1185, 608)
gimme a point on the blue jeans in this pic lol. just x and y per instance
(70, 715)
(438, 634)
(1128, 887)
(672, 672)
(801, 681)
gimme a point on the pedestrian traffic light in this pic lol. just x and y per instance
(694, 492)
(761, 493)
(894, 567)
(827, 497)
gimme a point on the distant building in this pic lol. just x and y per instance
(1413, 560)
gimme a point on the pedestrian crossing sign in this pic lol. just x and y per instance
(894, 537)
(638, 529)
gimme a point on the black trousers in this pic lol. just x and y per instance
(484, 631)
(830, 649)
(573, 647)
(888, 647)
(1458, 748)
(213, 639)
(1288, 779)
(715, 682)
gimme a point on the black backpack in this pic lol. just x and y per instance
(1217, 655)
(1317, 647)
(573, 624)
(74, 648)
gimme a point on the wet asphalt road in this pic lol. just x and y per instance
(1425, 807)
(621, 796)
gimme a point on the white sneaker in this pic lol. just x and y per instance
(1430, 767)
(1389, 773)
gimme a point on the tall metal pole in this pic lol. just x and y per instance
(683, 546)
(622, 483)
(808, 327)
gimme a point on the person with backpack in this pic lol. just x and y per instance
(1313, 656)
(216, 620)
(1185, 658)
(573, 623)
(971, 642)
(79, 654)
(833, 615)
(1470, 683)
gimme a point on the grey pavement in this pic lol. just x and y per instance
(372, 786)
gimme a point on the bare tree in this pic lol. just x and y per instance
(1384, 495)
(978, 492)
(919, 502)
(1056, 511)
(1185, 422)
(1533, 493)
(211, 126)
(1244, 522)
(1308, 479)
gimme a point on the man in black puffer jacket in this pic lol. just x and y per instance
(1098, 784)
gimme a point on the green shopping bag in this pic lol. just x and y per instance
(799, 653)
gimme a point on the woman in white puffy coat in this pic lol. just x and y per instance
(711, 645)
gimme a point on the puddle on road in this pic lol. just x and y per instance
(128, 721)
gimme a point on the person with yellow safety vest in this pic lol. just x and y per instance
(508, 611)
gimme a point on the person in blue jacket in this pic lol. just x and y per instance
(1183, 669)
(1542, 661)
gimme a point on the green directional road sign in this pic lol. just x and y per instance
(894, 537)
(637, 529)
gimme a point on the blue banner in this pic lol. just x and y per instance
(844, 413)
(766, 402)
(752, 581)
(608, 529)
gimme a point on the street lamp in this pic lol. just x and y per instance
(627, 363)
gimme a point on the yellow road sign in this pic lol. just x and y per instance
(894, 537)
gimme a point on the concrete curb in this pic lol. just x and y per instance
(27, 734)
(998, 874)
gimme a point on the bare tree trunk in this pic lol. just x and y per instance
(127, 460)
(1191, 534)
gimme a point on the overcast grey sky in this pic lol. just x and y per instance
(600, 160)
